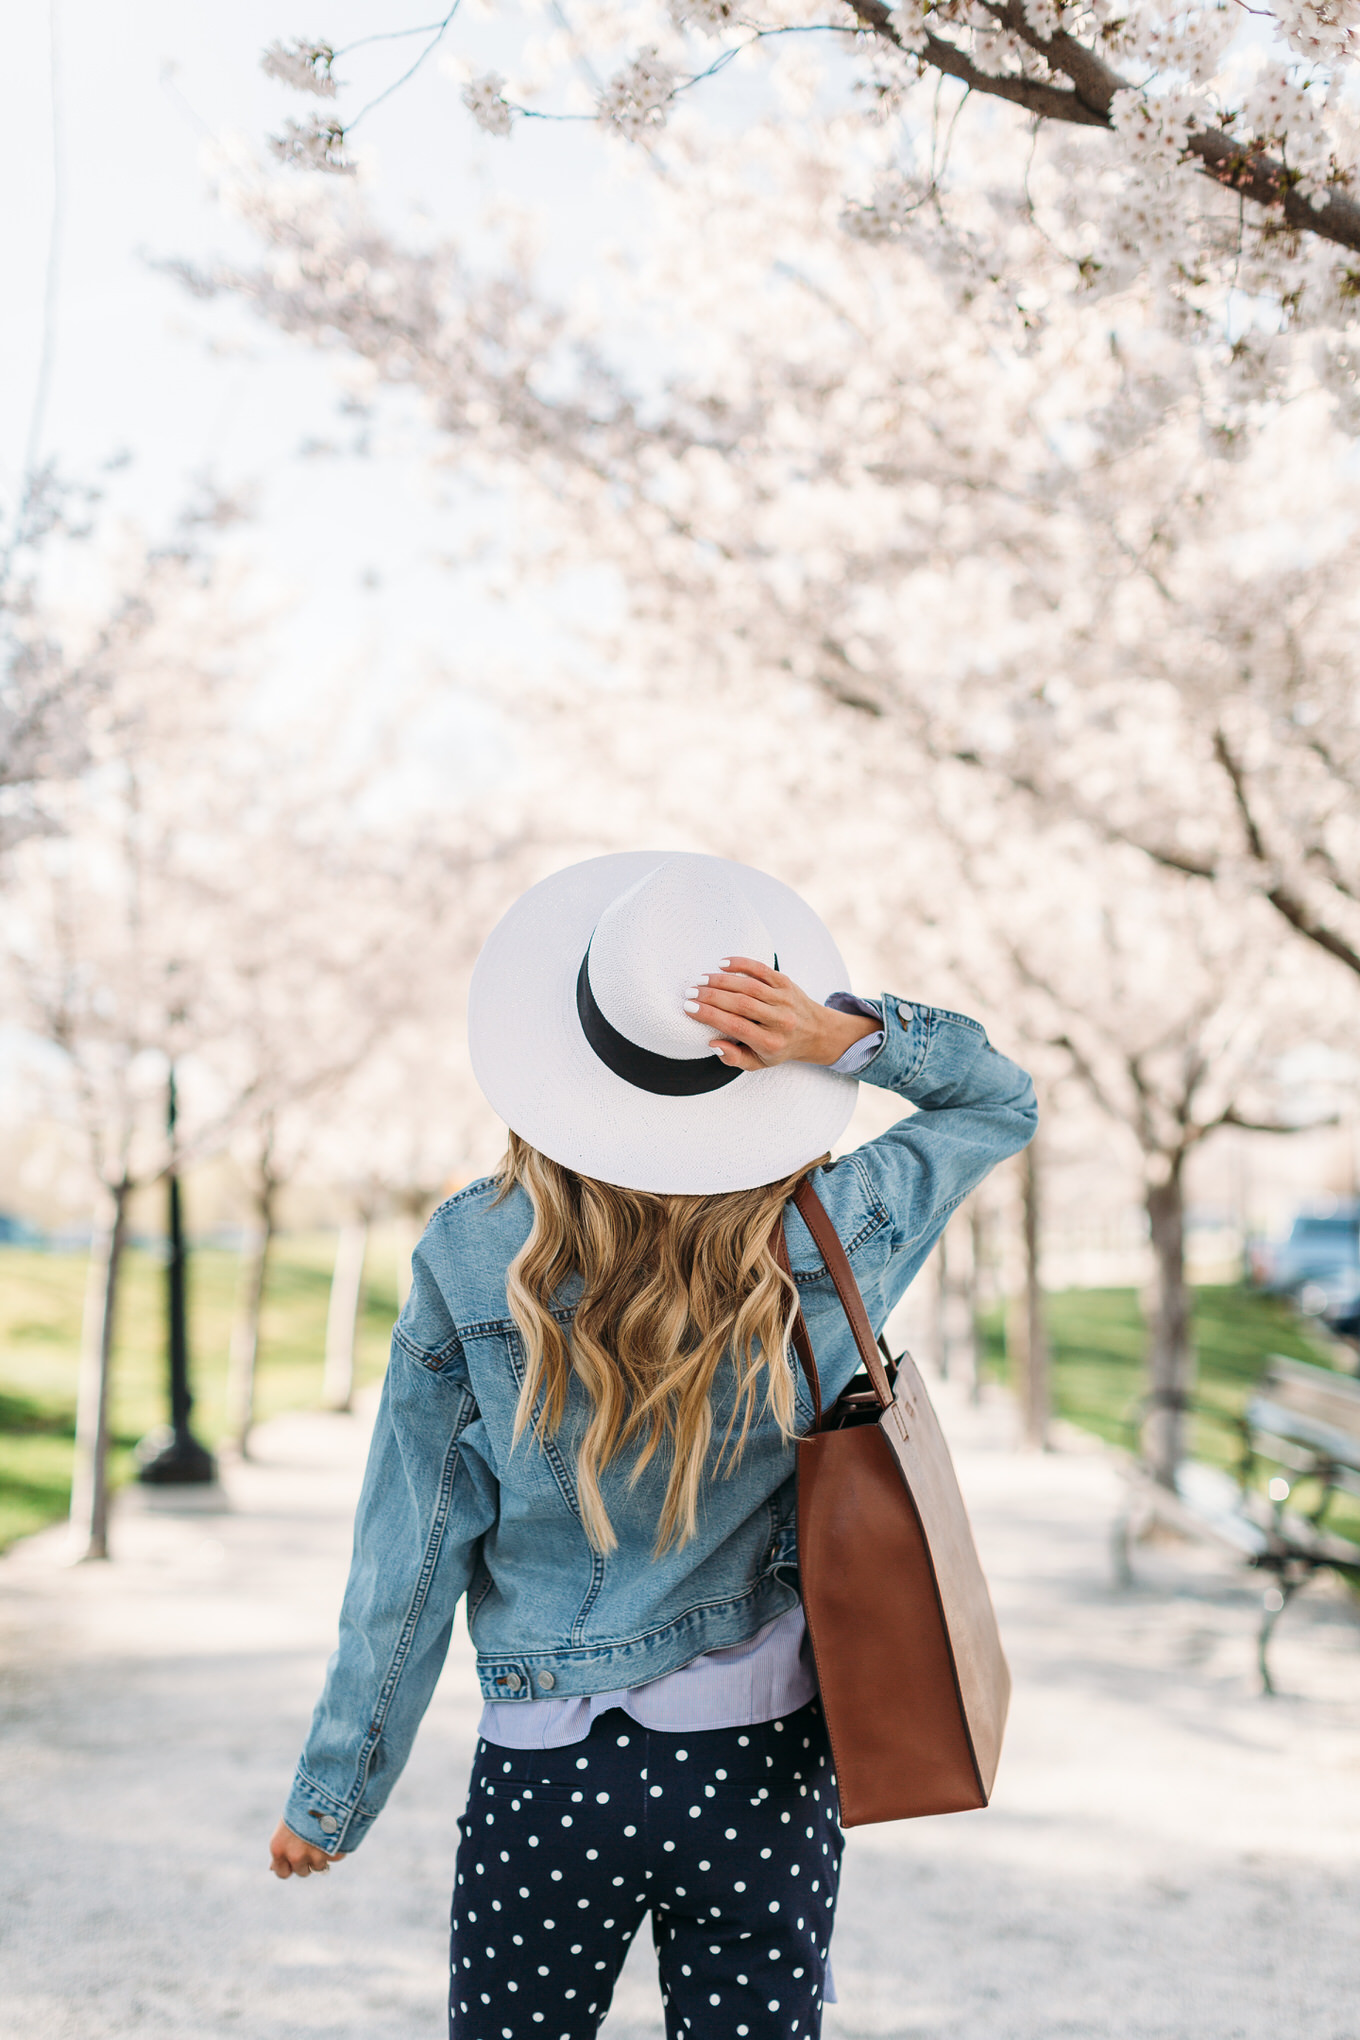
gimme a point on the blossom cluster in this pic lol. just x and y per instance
(306, 66)
(710, 17)
(485, 100)
(637, 99)
(316, 144)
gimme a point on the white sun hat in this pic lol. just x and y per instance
(580, 1039)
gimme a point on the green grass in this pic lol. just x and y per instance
(41, 1299)
(1097, 1342)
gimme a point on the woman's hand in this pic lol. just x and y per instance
(290, 1856)
(762, 1018)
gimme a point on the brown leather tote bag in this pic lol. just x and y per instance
(913, 1679)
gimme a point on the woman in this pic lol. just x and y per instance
(588, 1428)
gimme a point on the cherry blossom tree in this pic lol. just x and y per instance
(1195, 127)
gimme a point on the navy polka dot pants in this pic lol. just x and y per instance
(727, 1836)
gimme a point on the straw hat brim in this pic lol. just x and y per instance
(540, 1074)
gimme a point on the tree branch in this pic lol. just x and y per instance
(1230, 163)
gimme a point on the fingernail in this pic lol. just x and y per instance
(724, 963)
(692, 991)
(691, 1005)
(703, 980)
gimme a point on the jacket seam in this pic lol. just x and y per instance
(431, 1357)
(402, 1649)
(617, 1643)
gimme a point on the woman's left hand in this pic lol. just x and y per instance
(763, 1018)
(291, 1856)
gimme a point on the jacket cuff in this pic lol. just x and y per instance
(323, 1820)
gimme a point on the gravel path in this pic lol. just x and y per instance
(1168, 1855)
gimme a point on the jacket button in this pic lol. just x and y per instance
(513, 1681)
(328, 1824)
(547, 1681)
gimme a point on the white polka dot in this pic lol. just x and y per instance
(774, 1905)
(743, 1742)
(720, 1774)
(764, 1855)
(592, 1855)
(602, 1799)
(668, 1845)
(713, 1998)
(630, 1831)
(738, 1887)
(656, 1791)
(622, 1744)
(694, 1812)
(774, 2004)
(731, 1834)
(705, 1866)
(583, 1763)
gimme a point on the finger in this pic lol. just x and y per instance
(750, 1033)
(736, 1056)
(280, 1866)
(749, 966)
(718, 1005)
(738, 981)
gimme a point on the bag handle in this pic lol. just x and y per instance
(827, 1240)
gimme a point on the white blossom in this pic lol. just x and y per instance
(637, 99)
(710, 17)
(318, 144)
(485, 100)
(306, 66)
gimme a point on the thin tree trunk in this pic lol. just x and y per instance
(342, 1317)
(942, 1353)
(1167, 1312)
(243, 1361)
(90, 1478)
(980, 1240)
(1027, 1319)
(410, 1225)
(958, 1305)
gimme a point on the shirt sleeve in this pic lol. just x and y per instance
(862, 1052)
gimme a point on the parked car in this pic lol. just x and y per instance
(1319, 1263)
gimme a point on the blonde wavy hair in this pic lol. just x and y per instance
(671, 1287)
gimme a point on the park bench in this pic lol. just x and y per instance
(1303, 1420)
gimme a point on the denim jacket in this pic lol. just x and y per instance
(449, 1509)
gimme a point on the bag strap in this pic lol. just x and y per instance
(827, 1240)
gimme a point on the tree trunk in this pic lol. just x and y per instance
(90, 1479)
(245, 1329)
(410, 1226)
(958, 1286)
(979, 1235)
(342, 1317)
(1167, 1313)
(1026, 1318)
(942, 1354)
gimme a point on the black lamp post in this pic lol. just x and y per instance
(171, 1455)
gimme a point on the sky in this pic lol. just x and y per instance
(354, 550)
